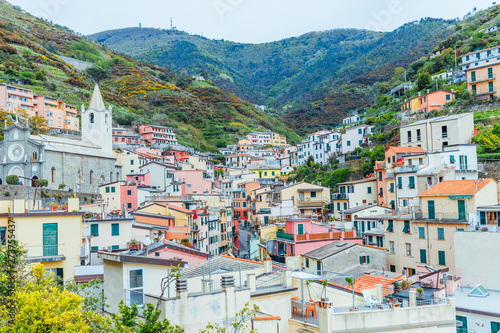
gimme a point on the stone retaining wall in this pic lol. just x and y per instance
(27, 192)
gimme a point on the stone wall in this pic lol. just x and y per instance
(490, 169)
(27, 192)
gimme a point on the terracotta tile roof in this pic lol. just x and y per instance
(236, 155)
(457, 187)
(369, 282)
(407, 150)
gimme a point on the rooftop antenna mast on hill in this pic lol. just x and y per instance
(171, 24)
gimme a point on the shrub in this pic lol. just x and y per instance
(43, 183)
(97, 73)
(62, 186)
(12, 179)
(7, 194)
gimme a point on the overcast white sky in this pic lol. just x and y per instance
(251, 21)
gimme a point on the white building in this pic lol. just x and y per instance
(354, 137)
(435, 133)
(351, 120)
(161, 176)
(479, 58)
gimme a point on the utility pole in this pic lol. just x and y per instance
(456, 56)
(171, 24)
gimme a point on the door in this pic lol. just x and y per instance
(461, 210)
(50, 239)
(432, 211)
(318, 266)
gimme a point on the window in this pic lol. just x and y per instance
(131, 162)
(409, 136)
(406, 229)
(490, 87)
(381, 192)
(423, 256)
(115, 229)
(473, 76)
(113, 189)
(444, 130)
(313, 194)
(300, 229)
(390, 227)
(129, 205)
(307, 262)
(408, 249)
(115, 247)
(364, 259)
(3, 236)
(418, 135)
(129, 192)
(345, 205)
(440, 233)
(94, 230)
(482, 218)
(421, 232)
(348, 143)
(442, 258)
(448, 97)
(400, 183)
(392, 268)
(136, 285)
(474, 89)
(107, 189)
(495, 327)
(490, 73)
(391, 188)
(391, 248)
(411, 182)
(369, 189)
(94, 248)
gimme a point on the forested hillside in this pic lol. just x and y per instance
(288, 75)
(201, 113)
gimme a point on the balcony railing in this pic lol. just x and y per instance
(284, 235)
(439, 216)
(42, 253)
(467, 167)
(340, 196)
(406, 169)
(483, 78)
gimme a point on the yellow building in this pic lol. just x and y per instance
(130, 161)
(266, 172)
(266, 233)
(182, 216)
(244, 145)
(308, 198)
(482, 80)
(413, 105)
(111, 195)
(53, 238)
(278, 140)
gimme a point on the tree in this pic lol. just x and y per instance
(97, 73)
(43, 183)
(423, 80)
(37, 124)
(310, 161)
(12, 179)
(239, 324)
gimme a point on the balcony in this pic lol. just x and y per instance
(405, 169)
(439, 216)
(467, 167)
(284, 235)
(380, 166)
(483, 92)
(45, 253)
(340, 196)
(483, 79)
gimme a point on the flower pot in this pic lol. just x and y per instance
(54, 209)
(420, 296)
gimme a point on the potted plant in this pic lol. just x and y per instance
(64, 207)
(397, 286)
(350, 281)
(324, 283)
(405, 284)
(54, 206)
(420, 292)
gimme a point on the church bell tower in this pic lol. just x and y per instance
(97, 123)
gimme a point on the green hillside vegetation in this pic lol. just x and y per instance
(304, 76)
(201, 113)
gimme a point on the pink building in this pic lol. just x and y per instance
(131, 194)
(301, 236)
(173, 251)
(195, 181)
(158, 135)
(435, 100)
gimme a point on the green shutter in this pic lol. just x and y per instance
(440, 233)
(432, 212)
(421, 232)
(361, 260)
(400, 182)
(452, 159)
(412, 182)
(423, 256)
(112, 189)
(94, 230)
(391, 188)
(442, 259)
(367, 259)
(107, 189)
(406, 229)
(390, 227)
(300, 229)
(115, 229)
(50, 239)
(461, 210)
(356, 225)
(482, 216)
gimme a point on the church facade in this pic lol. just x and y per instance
(82, 165)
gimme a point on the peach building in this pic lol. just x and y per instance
(59, 115)
(435, 100)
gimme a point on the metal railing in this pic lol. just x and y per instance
(340, 196)
(284, 235)
(46, 251)
(275, 282)
(406, 169)
(439, 216)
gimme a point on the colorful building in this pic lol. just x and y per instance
(158, 135)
